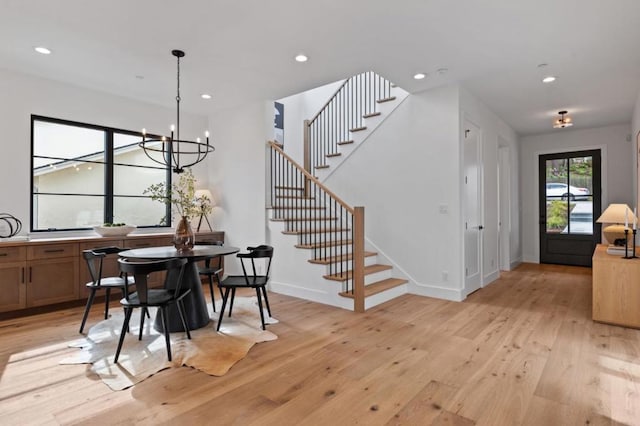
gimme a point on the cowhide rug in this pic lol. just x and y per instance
(208, 351)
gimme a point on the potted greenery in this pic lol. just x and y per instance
(182, 197)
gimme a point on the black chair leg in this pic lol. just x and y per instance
(92, 294)
(266, 299)
(142, 315)
(213, 297)
(233, 296)
(106, 303)
(167, 336)
(225, 296)
(260, 307)
(125, 327)
(181, 311)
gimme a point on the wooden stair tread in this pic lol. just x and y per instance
(336, 259)
(389, 99)
(303, 219)
(345, 142)
(372, 114)
(296, 208)
(335, 154)
(297, 197)
(377, 287)
(316, 231)
(371, 269)
(324, 244)
(322, 166)
(296, 188)
(358, 129)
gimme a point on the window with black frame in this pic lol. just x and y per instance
(85, 175)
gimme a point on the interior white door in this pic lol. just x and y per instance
(472, 208)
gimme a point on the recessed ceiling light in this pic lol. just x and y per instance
(205, 96)
(419, 76)
(549, 79)
(43, 50)
(301, 58)
(443, 71)
(140, 77)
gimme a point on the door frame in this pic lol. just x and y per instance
(504, 207)
(604, 200)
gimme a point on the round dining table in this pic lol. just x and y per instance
(197, 315)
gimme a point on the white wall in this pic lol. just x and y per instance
(237, 174)
(617, 172)
(404, 171)
(22, 95)
(300, 107)
(494, 133)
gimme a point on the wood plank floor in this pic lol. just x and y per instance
(522, 351)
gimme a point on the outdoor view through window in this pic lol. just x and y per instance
(569, 188)
(85, 175)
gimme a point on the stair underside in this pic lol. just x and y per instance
(371, 269)
(336, 259)
(377, 287)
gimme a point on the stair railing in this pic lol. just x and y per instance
(356, 99)
(324, 223)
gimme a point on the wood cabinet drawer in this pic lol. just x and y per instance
(12, 254)
(147, 242)
(51, 251)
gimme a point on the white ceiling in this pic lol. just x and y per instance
(243, 50)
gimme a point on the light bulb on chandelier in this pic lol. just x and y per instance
(174, 152)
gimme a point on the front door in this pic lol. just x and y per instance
(569, 197)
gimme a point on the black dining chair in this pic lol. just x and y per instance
(95, 262)
(248, 280)
(212, 270)
(146, 297)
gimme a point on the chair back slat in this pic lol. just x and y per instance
(140, 270)
(95, 258)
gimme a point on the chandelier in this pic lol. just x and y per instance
(174, 152)
(563, 121)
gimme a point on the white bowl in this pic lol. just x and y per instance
(113, 231)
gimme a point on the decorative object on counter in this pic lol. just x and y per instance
(172, 152)
(206, 203)
(10, 226)
(113, 229)
(182, 196)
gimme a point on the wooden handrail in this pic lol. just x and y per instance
(329, 101)
(311, 177)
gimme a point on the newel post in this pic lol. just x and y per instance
(358, 259)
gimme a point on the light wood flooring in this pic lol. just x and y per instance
(521, 351)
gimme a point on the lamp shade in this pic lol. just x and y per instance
(621, 217)
(205, 193)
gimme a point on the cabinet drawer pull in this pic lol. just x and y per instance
(54, 251)
(4, 254)
(30, 273)
(22, 280)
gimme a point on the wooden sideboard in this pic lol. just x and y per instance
(48, 271)
(616, 289)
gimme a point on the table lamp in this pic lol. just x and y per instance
(620, 217)
(206, 202)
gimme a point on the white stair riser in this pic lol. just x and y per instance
(282, 191)
(296, 202)
(297, 213)
(371, 278)
(348, 265)
(325, 236)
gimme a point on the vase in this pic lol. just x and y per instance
(184, 238)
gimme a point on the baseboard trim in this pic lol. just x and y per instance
(455, 295)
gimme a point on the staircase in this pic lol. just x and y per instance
(318, 227)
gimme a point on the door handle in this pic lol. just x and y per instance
(480, 227)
